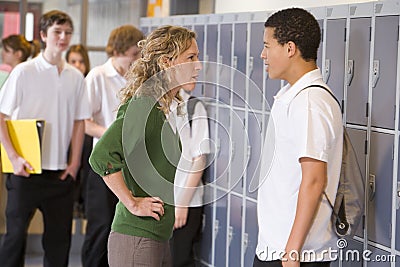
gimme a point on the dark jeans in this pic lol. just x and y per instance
(54, 198)
(278, 263)
(100, 209)
(182, 240)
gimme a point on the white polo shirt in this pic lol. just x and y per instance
(305, 124)
(35, 90)
(103, 83)
(194, 145)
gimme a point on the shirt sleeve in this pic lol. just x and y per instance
(200, 140)
(10, 94)
(94, 95)
(83, 110)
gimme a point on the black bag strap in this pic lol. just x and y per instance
(341, 223)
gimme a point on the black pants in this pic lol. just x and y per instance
(54, 198)
(182, 240)
(278, 263)
(100, 209)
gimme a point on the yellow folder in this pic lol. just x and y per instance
(26, 136)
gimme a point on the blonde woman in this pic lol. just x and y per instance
(138, 154)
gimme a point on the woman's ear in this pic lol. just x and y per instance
(165, 62)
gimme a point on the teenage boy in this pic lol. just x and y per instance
(103, 84)
(293, 214)
(48, 88)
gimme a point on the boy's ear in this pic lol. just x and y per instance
(43, 36)
(291, 48)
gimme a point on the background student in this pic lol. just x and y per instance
(77, 56)
(45, 87)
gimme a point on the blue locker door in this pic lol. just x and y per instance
(358, 138)
(251, 230)
(257, 71)
(240, 47)
(203, 247)
(319, 53)
(225, 142)
(237, 165)
(255, 139)
(335, 56)
(351, 254)
(199, 29)
(235, 230)
(385, 54)
(211, 50)
(225, 70)
(378, 258)
(380, 202)
(212, 123)
(220, 239)
(357, 91)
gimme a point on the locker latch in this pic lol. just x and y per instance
(230, 234)
(375, 73)
(245, 241)
(398, 196)
(372, 186)
(235, 62)
(327, 70)
(216, 227)
(251, 65)
(350, 71)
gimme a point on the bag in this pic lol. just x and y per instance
(348, 209)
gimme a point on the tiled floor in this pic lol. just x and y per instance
(36, 260)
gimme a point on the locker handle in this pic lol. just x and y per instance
(398, 196)
(230, 234)
(251, 65)
(372, 186)
(350, 71)
(245, 241)
(375, 73)
(327, 70)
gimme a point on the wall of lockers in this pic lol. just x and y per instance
(358, 56)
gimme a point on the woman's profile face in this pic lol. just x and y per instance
(186, 67)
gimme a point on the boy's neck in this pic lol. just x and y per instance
(54, 58)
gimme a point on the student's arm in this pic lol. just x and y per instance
(139, 206)
(76, 150)
(314, 179)
(192, 183)
(94, 129)
(19, 164)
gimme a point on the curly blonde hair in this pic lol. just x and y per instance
(147, 75)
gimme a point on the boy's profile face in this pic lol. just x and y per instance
(274, 55)
(57, 37)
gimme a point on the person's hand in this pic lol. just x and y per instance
(290, 263)
(20, 165)
(181, 214)
(147, 206)
(71, 170)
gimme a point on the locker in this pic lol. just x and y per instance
(397, 246)
(351, 255)
(251, 233)
(255, 139)
(358, 70)
(380, 183)
(237, 166)
(225, 58)
(378, 258)
(334, 70)
(224, 143)
(271, 88)
(384, 72)
(199, 29)
(239, 64)
(221, 221)
(319, 53)
(235, 231)
(211, 56)
(358, 138)
(256, 66)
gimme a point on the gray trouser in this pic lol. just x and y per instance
(135, 251)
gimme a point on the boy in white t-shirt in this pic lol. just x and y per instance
(293, 216)
(48, 88)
